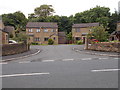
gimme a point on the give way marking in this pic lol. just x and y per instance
(28, 74)
(105, 70)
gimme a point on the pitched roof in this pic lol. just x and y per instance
(61, 34)
(9, 28)
(41, 24)
(85, 25)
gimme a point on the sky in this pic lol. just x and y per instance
(61, 7)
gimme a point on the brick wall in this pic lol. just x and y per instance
(113, 47)
(10, 49)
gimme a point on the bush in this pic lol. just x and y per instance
(50, 42)
(79, 42)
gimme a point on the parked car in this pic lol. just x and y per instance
(95, 40)
(12, 42)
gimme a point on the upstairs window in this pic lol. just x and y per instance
(77, 29)
(37, 30)
(45, 30)
(30, 30)
(53, 30)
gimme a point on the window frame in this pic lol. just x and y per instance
(46, 39)
(30, 30)
(45, 30)
(38, 30)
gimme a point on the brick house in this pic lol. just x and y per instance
(40, 32)
(4, 34)
(10, 30)
(79, 31)
(113, 35)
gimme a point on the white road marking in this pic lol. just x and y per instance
(28, 74)
(117, 58)
(102, 58)
(76, 50)
(86, 58)
(48, 60)
(4, 63)
(105, 70)
(67, 59)
(25, 62)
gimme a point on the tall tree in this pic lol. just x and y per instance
(15, 19)
(113, 21)
(44, 11)
(97, 14)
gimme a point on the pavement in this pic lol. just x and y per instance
(21, 55)
(92, 52)
(59, 66)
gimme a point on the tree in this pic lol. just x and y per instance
(44, 11)
(15, 19)
(97, 14)
(99, 33)
(113, 21)
(21, 37)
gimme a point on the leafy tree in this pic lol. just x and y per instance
(99, 33)
(44, 11)
(15, 19)
(69, 36)
(113, 21)
(21, 37)
(97, 14)
(65, 24)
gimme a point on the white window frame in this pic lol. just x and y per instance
(77, 29)
(45, 30)
(38, 30)
(30, 30)
(37, 39)
(53, 30)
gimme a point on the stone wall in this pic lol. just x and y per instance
(10, 49)
(109, 47)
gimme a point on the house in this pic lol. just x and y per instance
(79, 31)
(116, 34)
(4, 34)
(40, 32)
(62, 38)
(10, 30)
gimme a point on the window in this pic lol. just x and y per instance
(46, 39)
(78, 30)
(6, 37)
(77, 38)
(30, 30)
(53, 30)
(37, 30)
(54, 38)
(45, 30)
(37, 39)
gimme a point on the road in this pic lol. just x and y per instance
(59, 66)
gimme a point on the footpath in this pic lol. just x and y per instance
(100, 53)
(21, 55)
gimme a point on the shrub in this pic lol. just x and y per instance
(50, 42)
(79, 42)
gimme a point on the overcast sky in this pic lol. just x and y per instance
(61, 7)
